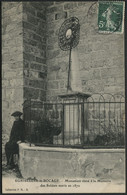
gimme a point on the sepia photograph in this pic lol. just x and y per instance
(63, 96)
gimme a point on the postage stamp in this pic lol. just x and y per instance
(111, 16)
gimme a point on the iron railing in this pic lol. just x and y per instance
(97, 122)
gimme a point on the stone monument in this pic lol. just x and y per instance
(74, 101)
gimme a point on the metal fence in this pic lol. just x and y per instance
(97, 122)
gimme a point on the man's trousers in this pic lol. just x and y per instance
(10, 149)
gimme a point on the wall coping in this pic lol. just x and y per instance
(26, 146)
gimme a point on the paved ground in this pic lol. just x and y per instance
(8, 180)
(10, 173)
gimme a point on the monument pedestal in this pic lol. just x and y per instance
(74, 117)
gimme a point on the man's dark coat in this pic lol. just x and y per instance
(17, 134)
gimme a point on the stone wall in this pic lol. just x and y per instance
(62, 163)
(33, 65)
(12, 64)
(34, 50)
(101, 56)
(24, 69)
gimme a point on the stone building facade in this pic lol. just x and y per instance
(101, 59)
(12, 64)
(33, 65)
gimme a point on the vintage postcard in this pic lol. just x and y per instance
(63, 97)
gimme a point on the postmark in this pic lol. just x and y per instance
(110, 16)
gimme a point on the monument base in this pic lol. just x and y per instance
(74, 118)
(74, 95)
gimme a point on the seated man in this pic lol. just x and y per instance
(16, 136)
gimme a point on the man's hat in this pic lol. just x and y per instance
(17, 113)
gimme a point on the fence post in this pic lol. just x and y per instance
(30, 123)
(63, 124)
(82, 124)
